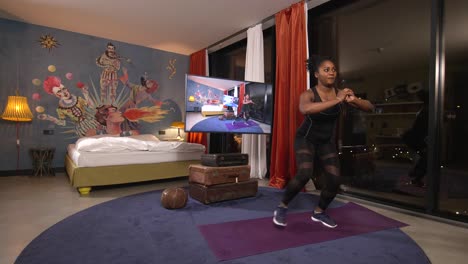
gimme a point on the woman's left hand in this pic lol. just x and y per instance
(350, 98)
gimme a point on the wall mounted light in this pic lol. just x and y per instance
(191, 98)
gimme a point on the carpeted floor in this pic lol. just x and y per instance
(136, 229)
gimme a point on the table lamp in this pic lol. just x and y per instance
(178, 125)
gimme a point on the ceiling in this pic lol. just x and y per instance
(179, 26)
(373, 34)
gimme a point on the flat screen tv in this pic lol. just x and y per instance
(227, 106)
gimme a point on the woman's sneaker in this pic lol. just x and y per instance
(279, 216)
(324, 219)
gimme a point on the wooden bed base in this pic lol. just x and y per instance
(212, 113)
(84, 178)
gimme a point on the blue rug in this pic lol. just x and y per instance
(136, 229)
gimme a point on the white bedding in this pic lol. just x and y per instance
(212, 108)
(96, 159)
(111, 144)
(113, 150)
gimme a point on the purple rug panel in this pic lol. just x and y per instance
(237, 239)
(240, 124)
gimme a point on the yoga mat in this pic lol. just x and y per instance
(230, 240)
(240, 124)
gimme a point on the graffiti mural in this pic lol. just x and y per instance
(117, 106)
(80, 85)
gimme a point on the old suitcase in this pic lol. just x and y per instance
(225, 159)
(223, 192)
(218, 175)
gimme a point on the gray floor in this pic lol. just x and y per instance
(30, 205)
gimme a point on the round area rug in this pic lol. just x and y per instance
(137, 229)
(213, 124)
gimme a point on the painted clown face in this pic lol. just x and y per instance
(111, 50)
(61, 92)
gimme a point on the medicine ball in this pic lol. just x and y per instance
(174, 198)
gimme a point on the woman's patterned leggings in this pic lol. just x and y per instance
(305, 154)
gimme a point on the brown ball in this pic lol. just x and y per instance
(174, 198)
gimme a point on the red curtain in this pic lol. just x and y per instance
(241, 98)
(291, 81)
(198, 67)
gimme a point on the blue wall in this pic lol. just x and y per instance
(23, 59)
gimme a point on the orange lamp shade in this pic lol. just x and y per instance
(191, 98)
(17, 109)
(178, 124)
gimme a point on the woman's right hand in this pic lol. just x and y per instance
(341, 95)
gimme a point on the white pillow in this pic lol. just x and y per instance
(145, 137)
(110, 144)
(174, 146)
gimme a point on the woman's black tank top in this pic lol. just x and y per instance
(319, 127)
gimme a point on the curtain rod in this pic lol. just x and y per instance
(245, 29)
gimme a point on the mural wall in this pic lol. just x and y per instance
(79, 85)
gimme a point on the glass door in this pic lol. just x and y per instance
(453, 183)
(383, 54)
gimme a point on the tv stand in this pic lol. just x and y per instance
(221, 143)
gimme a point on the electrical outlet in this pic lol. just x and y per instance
(161, 132)
(48, 132)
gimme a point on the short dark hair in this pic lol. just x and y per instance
(314, 61)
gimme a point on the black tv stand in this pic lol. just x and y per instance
(222, 143)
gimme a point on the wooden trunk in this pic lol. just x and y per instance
(206, 175)
(223, 192)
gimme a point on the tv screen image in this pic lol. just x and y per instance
(218, 105)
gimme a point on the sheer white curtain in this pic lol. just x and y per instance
(255, 145)
(310, 186)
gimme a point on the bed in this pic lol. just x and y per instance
(107, 160)
(211, 109)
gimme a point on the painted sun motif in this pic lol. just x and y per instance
(48, 42)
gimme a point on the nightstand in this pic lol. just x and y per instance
(42, 158)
